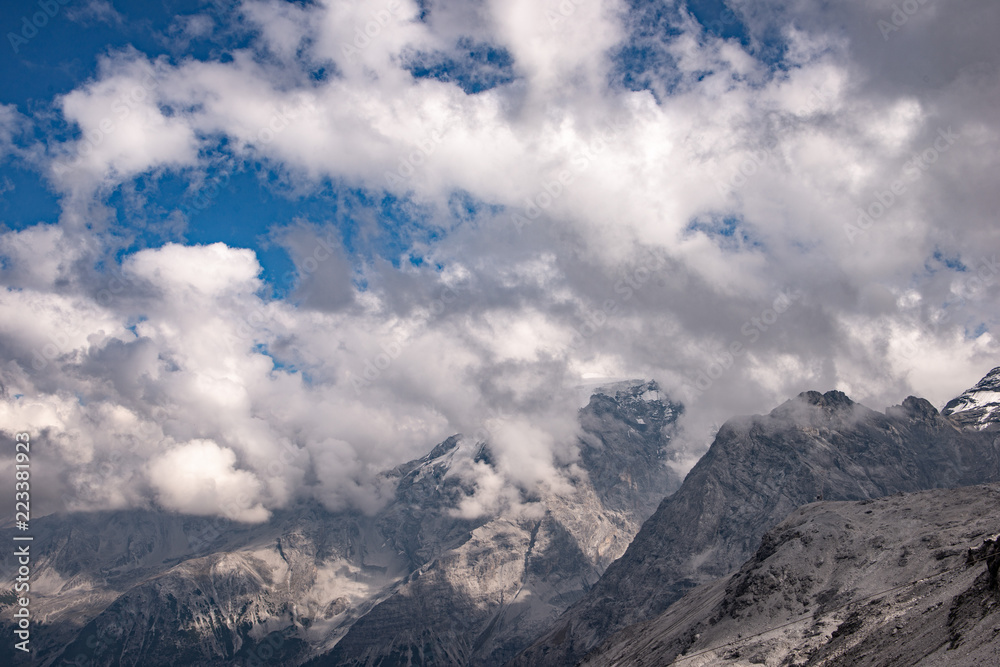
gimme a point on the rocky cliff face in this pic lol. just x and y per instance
(978, 407)
(757, 471)
(482, 601)
(413, 584)
(902, 580)
(138, 588)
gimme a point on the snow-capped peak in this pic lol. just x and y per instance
(978, 407)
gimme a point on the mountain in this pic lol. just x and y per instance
(905, 580)
(978, 407)
(415, 582)
(482, 601)
(141, 587)
(757, 471)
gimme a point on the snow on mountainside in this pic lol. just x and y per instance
(978, 407)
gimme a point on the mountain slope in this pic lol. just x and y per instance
(151, 588)
(756, 472)
(833, 585)
(978, 407)
(483, 601)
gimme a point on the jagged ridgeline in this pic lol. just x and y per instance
(419, 584)
(909, 579)
(757, 471)
(413, 584)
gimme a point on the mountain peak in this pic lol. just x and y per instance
(913, 408)
(831, 404)
(633, 387)
(443, 448)
(978, 407)
(831, 399)
(757, 471)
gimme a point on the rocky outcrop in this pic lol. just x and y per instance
(757, 471)
(894, 581)
(989, 553)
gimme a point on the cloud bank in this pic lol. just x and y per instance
(572, 191)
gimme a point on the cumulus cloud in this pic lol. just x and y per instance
(199, 477)
(12, 123)
(685, 210)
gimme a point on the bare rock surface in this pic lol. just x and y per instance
(757, 471)
(483, 601)
(415, 583)
(902, 580)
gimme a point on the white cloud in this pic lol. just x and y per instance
(656, 230)
(199, 477)
(200, 271)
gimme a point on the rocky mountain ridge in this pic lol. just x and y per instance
(419, 583)
(151, 588)
(909, 579)
(758, 470)
(482, 602)
(978, 407)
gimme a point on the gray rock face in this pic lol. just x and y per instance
(483, 601)
(146, 588)
(757, 471)
(902, 580)
(978, 407)
(414, 584)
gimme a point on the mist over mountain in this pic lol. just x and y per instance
(269, 249)
(757, 471)
(438, 577)
(424, 580)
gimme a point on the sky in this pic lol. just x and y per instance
(258, 252)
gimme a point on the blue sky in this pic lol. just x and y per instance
(242, 202)
(356, 227)
(64, 54)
